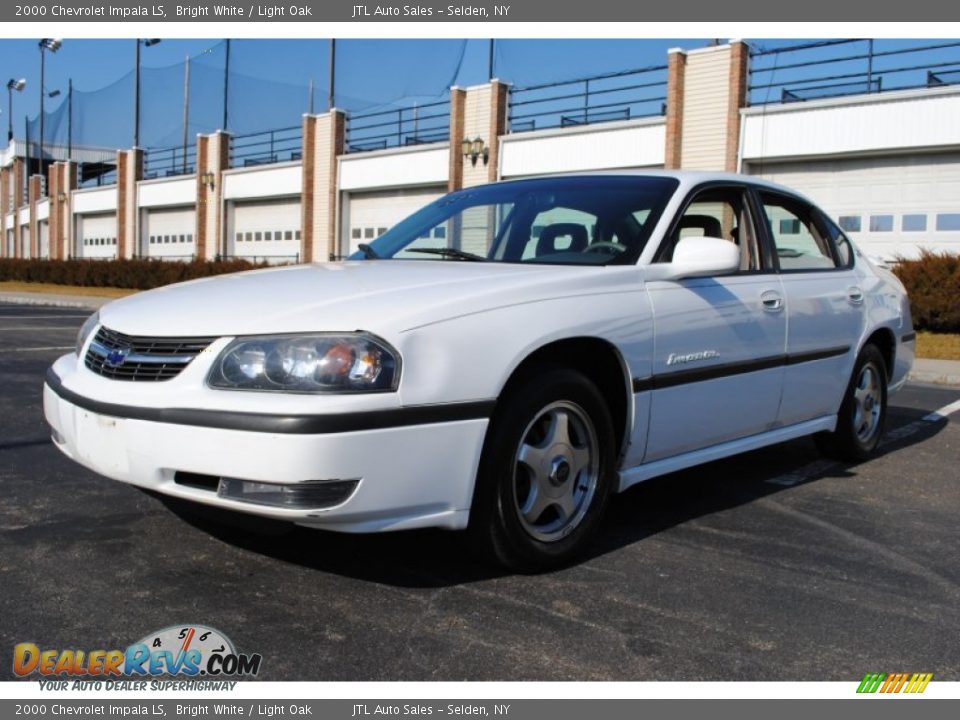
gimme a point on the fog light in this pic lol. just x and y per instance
(312, 494)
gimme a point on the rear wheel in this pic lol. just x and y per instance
(863, 412)
(545, 475)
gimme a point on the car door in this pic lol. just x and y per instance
(718, 341)
(824, 306)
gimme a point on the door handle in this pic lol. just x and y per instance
(855, 295)
(772, 302)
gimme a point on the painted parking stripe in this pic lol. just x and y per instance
(943, 412)
(818, 467)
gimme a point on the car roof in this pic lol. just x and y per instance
(686, 178)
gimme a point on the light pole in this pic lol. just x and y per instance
(136, 91)
(18, 85)
(51, 44)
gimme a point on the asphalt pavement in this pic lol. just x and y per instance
(776, 565)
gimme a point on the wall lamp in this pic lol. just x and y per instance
(62, 197)
(475, 149)
(208, 179)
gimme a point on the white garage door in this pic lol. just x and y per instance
(168, 233)
(265, 230)
(96, 235)
(44, 226)
(25, 241)
(889, 205)
(370, 214)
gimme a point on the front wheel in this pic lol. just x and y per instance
(546, 472)
(863, 411)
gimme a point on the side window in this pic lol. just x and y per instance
(799, 243)
(721, 213)
(842, 246)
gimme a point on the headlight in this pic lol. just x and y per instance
(87, 328)
(307, 364)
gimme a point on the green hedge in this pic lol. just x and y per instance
(137, 274)
(933, 283)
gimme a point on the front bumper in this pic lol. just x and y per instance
(410, 476)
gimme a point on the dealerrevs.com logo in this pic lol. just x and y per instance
(887, 683)
(185, 651)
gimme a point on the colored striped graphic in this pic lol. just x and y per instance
(895, 682)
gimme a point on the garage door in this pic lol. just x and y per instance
(889, 205)
(44, 227)
(11, 244)
(25, 241)
(370, 214)
(96, 235)
(267, 230)
(168, 233)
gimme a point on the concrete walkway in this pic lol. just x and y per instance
(940, 372)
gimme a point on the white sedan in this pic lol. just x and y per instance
(503, 362)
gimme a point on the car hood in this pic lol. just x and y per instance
(380, 296)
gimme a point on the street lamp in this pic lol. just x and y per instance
(136, 89)
(51, 44)
(18, 85)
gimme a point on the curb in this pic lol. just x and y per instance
(935, 378)
(93, 304)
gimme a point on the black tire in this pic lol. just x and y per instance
(566, 495)
(860, 422)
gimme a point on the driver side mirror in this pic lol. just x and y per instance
(698, 257)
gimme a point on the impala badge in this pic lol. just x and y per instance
(677, 359)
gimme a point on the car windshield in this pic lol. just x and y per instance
(569, 220)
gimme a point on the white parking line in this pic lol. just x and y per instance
(943, 412)
(37, 349)
(818, 467)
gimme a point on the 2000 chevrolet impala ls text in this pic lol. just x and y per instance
(504, 361)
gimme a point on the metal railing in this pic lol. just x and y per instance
(264, 148)
(624, 95)
(838, 68)
(97, 179)
(415, 125)
(169, 162)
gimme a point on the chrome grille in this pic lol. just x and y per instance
(125, 357)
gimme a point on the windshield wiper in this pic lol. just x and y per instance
(368, 252)
(450, 253)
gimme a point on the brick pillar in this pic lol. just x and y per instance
(33, 197)
(499, 107)
(63, 181)
(129, 172)
(323, 142)
(19, 173)
(4, 208)
(54, 221)
(213, 157)
(455, 174)
(739, 65)
(676, 67)
(484, 117)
